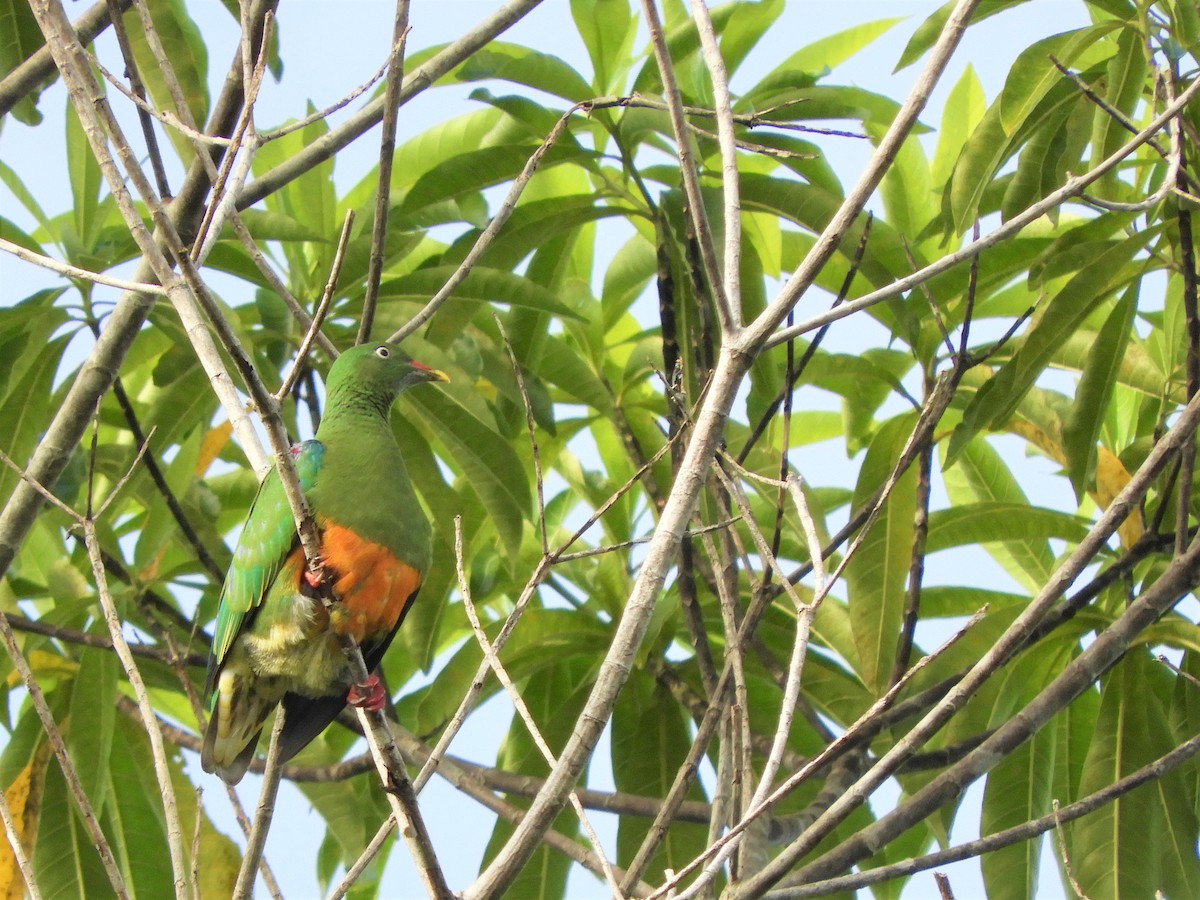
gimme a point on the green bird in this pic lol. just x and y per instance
(274, 641)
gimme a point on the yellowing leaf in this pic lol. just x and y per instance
(214, 442)
(24, 799)
(44, 663)
(1111, 478)
(1111, 475)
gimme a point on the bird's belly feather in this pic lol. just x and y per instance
(373, 585)
(299, 646)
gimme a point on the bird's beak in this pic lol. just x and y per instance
(429, 374)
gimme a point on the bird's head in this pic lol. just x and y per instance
(379, 370)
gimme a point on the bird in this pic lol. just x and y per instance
(274, 641)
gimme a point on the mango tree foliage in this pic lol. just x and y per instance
(992, 431)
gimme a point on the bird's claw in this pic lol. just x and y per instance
(313, 578)
(368, 695)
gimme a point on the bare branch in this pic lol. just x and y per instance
(387, 154)
(71, 271)
(257, 839)
(514, 694)
(730, 318)
(318, 319)
(1065, 687)
(370, 115)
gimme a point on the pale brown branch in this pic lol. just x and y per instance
(257, 839)
(514, 695)
(729, 317)
(323, 306)
(71, 271)
(387, 155)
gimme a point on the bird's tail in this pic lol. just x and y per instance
(234, 725)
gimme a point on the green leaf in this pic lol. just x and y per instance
(1052, 150)
(745, 28)
(134, 816)
(927, 34)
(877, 574)
(533, 224)
(264, 225)
(980, 474)
(650, 739)
(1018, 790)
(964, 109)
(10, 232)
(822, 56)
(813, 208)
(1144, 840)
(350, 810)
(491, 467)
(309, 199)
(1081, 430)
(474, 170)
(86, 179)
(20, 38)
(1126, 82)
(546, 637)
(185, 48)
(683, 45)
(482, 285)
(907, 189)
(999, 396)
(93, 715)
(65, 862)
(25, 412)
(986, 150)
(632, 267)
(1034, 74)
(982, 523)
(521, 65)
(607, 28)
(26, 198)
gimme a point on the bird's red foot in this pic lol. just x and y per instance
(368, 694)
(313, 578)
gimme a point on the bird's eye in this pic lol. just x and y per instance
(383, 352)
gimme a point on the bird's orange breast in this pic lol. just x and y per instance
(373, 585)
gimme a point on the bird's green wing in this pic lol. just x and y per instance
(267, 538)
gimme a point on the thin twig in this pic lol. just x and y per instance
(720, 850)
(514, 695)
(1073, 187)
(257, 839)
(731, 289)
(323, 306)
(1064, 856)
(162, 769)
(137, 89)
(729, 317)
(1000, 839)
(387, 154)
(811, 350)
(1079, 672)
(160, 482)
(535, 579)
(70, 271)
